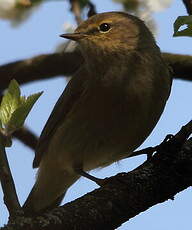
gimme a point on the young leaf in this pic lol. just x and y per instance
(180, 21)
(1, 126)
(14, 89)
(14, 108)
(19, 115)
(10, 102)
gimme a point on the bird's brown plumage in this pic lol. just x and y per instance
(108, 108)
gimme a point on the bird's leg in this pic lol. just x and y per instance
(98, 181)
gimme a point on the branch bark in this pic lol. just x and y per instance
(125, 195)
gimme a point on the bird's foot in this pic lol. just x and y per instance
(151, 150)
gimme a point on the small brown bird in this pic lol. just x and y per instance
(108, 108)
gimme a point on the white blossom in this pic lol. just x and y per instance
(157, 5)
(7, 4)
(16, 11)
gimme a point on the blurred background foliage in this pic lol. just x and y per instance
(17, 11)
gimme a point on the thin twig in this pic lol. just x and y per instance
(27, 137)
(10, 196)
(188, 6)
(92, 9)
(76, 9)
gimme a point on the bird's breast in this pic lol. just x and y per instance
(107, 121)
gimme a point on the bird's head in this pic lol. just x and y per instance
(110, 38)
(110, 32)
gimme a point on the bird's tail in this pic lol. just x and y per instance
(48, 190)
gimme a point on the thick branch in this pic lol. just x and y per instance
(52, 65)
(125, 195)
(7, 183)
(180, 64)
(40, 67)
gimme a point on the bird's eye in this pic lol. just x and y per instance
(104, 27)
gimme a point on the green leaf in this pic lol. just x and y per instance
(19, 115)
(14, 89)
(5, 108)
(180, 21)
(22, 99)
(1, 126)
(15, 108)
(10, 102)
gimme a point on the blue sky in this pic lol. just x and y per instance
(40, 34)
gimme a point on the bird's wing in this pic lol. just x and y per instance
(64, 104)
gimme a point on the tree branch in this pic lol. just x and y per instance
(66, 63)
(7, 183)
(188, 6)
(27, 137)
(92, 9)
(125, 195)
(76, 9)
(180, 64)
(40, 67)
(52, 65)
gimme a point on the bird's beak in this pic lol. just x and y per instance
(73, 36)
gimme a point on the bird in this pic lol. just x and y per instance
(108, 108)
